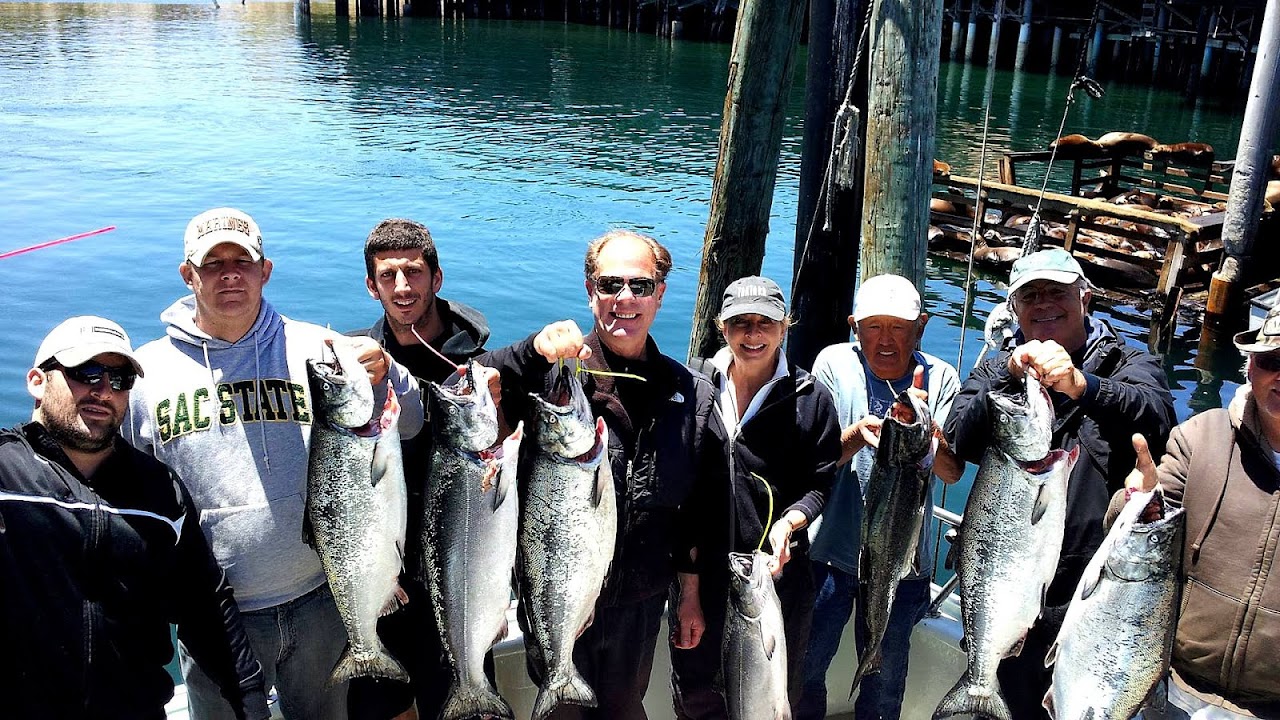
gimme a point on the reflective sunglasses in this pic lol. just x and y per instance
(1268, 361)
(91, 373)
(612, 285)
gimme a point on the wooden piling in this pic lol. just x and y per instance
(1095, 44)
(1055, 52)
(827, 226)
(957, 32)
(1249, 176)
(901, 137)
(761, 66)
(1024, 36)
(972, 37)
(993, 50)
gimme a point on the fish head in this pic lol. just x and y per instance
(748, 575)
(1148, 550)
(462, 413)
(341, 392)
(907, 430)
(566, 424)
(1022, 423)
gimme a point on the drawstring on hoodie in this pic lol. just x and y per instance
(257, 380)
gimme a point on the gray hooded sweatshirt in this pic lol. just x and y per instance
(234, 421)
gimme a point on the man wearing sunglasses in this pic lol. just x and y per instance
(227, 405)
(1222, 469)
(656, 410)
(100, 549)
(1103, 391)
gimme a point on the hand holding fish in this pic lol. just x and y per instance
(780, 539)
(865, 432)
(690, 622)
(1143, 476)
(375, 360)
(1051, 363)
(561, 341)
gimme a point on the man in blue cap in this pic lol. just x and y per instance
(1103, 392)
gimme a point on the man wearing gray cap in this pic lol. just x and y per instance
(1223, 467)
(100, 549)
(1103, 391)
(227, 405)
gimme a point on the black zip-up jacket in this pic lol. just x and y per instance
(91, 575)
(792, 442)
(1127, 392)
(464, 335)
(655, 428)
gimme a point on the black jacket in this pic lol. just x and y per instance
(464, 335)
(793, 443)
(91, 575)
(1127, 393)
(654, 429)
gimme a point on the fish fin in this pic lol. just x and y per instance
(1090, 582)
(567, 687)
(1016, 650)
(869, 665)
(767, 640)
(604, 475)
(308, 531)
(502, 633)
(590, 619)
(1048, 699)
(398, 599)
(1042, 503)
(375, 664)
(963, 699)
(462, 703)
(1050, 658)
(507, 466)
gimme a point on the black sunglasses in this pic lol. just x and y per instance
(1267, 361)
(612, 285)
(91, 373)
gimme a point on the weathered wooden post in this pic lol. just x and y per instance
(901, 122)
(761, 66)
(1162, 24)
(957, 30)
(971, 38)
(1206, 59)
(830, 211)
(993, 50)
(1055, 51)
(1095, 44)
(1024, 36)
(1244, 201)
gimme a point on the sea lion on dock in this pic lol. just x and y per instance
(1001, 256)
(1272, 193)
(1141, 198)
(1126, 143)
(1076, 147)
(1186, 152)
(939, 205)
(1275, 166)
(941, 168)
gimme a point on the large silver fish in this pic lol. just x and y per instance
(568, 523)
(469, 538)
(356, 507)
(753, 652)
(1009, 544)
(1117, 636)
(896, 500)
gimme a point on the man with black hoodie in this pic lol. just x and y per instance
(403, 274)
(1103, 391)
(101, 549)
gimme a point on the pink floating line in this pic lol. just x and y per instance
(59, 241)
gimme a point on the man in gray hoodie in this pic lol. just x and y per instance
(228, 407)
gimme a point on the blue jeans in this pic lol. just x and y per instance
(298, 644)
(880, 694)
(832, 607)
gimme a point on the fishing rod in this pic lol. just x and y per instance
(59, 241)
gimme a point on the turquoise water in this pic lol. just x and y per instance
(515, 142)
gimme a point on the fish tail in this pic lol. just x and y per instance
(565, 687)
(375, 664)
(474, 701)
(870, 664)
(964, 700)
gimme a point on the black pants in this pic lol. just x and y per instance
(615, 656)
(413, 638)
(697, 692)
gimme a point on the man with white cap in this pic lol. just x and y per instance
(101, 549)
(865, 377)
(1103, 391)
(1223, 468)
(228, 406)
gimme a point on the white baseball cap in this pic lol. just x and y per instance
(891, 295)
(80, 339)
(220, 225)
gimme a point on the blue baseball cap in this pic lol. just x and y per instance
(1053, 264)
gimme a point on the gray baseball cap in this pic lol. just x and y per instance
(753, 295)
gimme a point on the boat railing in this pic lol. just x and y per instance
(951, 522)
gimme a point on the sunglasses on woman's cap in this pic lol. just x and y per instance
(93, 372)
(613, 284)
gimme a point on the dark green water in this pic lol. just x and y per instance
(514, 142)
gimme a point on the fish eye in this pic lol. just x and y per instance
(326, 386)
(553, 420)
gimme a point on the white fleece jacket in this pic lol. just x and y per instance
(234, 421)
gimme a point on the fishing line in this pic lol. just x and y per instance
(580, 368)
(59, 241)
(439, 354)
(973, 235)
(769, 523)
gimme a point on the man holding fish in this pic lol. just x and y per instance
(1221, 468)
(866, 378)
(228, 407)
(1102, 391)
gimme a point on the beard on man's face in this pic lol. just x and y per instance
(63, 421)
